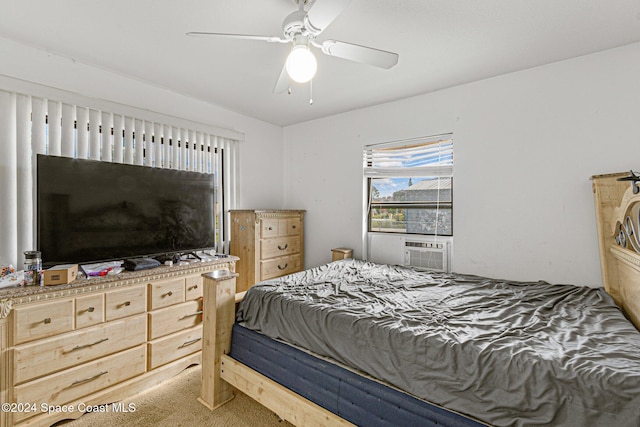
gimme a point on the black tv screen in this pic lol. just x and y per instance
(90, 211)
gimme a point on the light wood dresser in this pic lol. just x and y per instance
(270, 243)
(80, 347)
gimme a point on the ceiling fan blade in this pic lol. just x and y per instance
(354, 52)
(282, 84)
(270, 39)
(322, 14)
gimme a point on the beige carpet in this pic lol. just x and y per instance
(173, 403)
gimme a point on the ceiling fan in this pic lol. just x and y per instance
(301, 28)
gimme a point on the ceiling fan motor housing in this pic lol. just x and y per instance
(294, 24)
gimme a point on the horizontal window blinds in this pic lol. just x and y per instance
(31, 125)
(432, 156)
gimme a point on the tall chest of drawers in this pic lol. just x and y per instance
(269, 243)
(85, 345)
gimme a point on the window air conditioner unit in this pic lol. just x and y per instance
(429, 255)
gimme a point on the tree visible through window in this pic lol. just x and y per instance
(409, 186)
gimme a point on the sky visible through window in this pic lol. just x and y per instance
(387, 186)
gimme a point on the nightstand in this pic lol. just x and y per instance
(341, 253)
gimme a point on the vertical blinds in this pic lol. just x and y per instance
(31, 125)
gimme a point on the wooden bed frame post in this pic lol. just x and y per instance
(219, 315)
(221, 374)
(608, 193)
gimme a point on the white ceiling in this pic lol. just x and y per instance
(441, 43)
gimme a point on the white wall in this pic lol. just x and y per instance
(525, 146)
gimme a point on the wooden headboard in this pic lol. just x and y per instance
(618, 221)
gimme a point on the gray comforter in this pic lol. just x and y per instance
(503, 352)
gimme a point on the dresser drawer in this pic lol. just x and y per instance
(164, 294)
(89, 310)
(279, 246)
(42, 320)
(48, 355)
(280, 266)
(280, 227)
(125, 302)
(269, 227)
(174, 346)
(294, 226)
(172, 319)
(193, 287)
(67, 386)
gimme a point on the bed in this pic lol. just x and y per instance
(353, 342)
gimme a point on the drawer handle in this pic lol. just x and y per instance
(86, 380)
(283, 268)
(124, 304)
(47, 320)
(293, 226)
(188, 343)
(167, 294)
(270, 228)
(192, 287)
(80, 347)
(191, 315)
(285, 247)
(91, 309)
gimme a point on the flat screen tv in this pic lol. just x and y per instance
(91, 211)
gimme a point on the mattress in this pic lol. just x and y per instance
(357, 399)
(507, 353)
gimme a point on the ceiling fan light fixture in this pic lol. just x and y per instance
(301, 28)
(301, 64)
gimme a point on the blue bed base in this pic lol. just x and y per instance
(357, 399)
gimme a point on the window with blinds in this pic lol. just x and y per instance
(31, 125)
(409, 186)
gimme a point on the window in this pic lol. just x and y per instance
(103, 131)
(409, 186)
